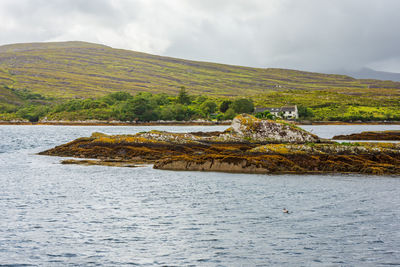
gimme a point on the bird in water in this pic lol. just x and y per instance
(285, 210)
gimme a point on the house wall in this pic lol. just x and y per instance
(286, 114)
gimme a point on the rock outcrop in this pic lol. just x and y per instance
(249, 146)
(378, 135)
(378, 164)
(247, 127)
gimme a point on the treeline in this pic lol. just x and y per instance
(142, 107)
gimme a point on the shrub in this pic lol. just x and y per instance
(243, 105)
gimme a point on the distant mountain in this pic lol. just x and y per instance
(79, 69)
(366, 73)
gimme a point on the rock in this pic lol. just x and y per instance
(212, 165)
(249, 128)
(328, 148)
(291, 163)
(249, 146)
(378, 135)
(110, 163)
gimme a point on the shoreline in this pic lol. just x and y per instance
(77, 123)
(181, 123)
(347, 123)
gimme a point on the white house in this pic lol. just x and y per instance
(286, 112)
(290, 112)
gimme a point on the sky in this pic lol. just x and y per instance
(312, 35)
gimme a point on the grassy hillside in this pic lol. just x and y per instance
(70, 69)
(82, 70)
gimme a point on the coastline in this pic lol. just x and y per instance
(180, 123)
(106, 123)
(347, 123)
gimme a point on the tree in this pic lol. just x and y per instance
(123, 111)
(264, 115)
(229, 114)
(181, 112)
(243, 105)
(225, 105)
(161, 99)
(208, 107)
(167, 113)
(183, 97)
(93, 104)
(116, 97)
(142, 108)
(177, 112)
(305, 112)
(33, 113)
(140, 105)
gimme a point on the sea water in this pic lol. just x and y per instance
(53, 214)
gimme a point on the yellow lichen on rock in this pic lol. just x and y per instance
(249, 128)
(251, 145)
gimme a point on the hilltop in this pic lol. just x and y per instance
(69, 70)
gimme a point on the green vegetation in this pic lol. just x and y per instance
(122, 106)
(49, 74)
(243, 105)
(264, 115)
(333, 106)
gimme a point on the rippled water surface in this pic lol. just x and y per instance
(53, 214)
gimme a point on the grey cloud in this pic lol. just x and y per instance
(312, 35)
(315, 35)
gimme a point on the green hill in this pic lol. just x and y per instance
(82, 70)
(78, 69)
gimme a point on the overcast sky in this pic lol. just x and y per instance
(314, 35)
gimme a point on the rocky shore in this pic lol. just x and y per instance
(250, 145)
(179, 123)
(114, 123)
(377, 135)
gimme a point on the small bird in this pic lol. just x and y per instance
(285, 210)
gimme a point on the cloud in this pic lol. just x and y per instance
(316, 35)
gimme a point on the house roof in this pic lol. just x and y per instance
(288, 108)
(269, 109)
(282, 109)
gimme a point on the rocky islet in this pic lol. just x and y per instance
(371, 135)
(250, 145)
